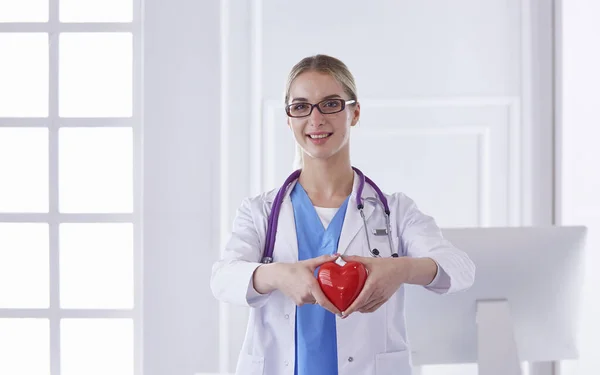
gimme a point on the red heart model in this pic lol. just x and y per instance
(342, 284)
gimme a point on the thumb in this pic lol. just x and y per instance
(366, 261)
(316, 262)
(356, 258)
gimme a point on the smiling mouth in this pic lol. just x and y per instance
(319, 136)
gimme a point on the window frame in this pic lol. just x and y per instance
(53, 28)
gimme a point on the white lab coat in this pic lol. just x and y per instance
(368, 344)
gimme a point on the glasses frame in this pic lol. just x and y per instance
(313, 106)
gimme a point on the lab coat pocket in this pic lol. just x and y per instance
(250, 365)
(393, 363)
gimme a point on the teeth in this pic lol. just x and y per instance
(319, 136)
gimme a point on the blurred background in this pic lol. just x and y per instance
(130, 131)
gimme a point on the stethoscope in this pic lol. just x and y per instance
(274, 215)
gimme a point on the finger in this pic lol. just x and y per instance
(360, 301)
(326, 304)
(324, 301)
(372, 306)
(316, 262)
(308, 299)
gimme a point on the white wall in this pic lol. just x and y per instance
(181, 136)
(578, 144)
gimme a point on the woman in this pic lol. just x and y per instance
(293, 328)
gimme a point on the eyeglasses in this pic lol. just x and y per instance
(326, 107)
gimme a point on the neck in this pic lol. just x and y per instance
(327, 180)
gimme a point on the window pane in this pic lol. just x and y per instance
(96, 170)
(23, 74)
(23, 169)
(96, 347)
(96, 10)
(24, 265)
(95, 78)
(24, 347)
(96, 265)
(23, 10)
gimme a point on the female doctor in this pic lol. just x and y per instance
(320, 214)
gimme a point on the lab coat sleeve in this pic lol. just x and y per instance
(422, 238)
(231, 279)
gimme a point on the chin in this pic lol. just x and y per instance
(322, 152)
(322, 155)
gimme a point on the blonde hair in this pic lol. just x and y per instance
(323, 64)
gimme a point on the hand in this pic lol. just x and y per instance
(297, 281)
(385, 275)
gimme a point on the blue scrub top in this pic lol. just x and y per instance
(316, 343)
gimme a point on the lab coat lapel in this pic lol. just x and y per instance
(286, 243)
(287, 229)
(353, 222)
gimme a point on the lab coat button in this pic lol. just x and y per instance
(287, 316)
(286, 363)
(350, 359)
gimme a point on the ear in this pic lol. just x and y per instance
(356, 114)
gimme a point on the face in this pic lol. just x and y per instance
(321, 136)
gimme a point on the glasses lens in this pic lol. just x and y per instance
(331, 105)
(299, 109)
(326, 106)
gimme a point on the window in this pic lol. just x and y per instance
(70, 183)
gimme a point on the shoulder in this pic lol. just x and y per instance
(401, 202)
(406, 212)
(253, 211)
(258, 202)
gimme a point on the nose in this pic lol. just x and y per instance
(316, 117)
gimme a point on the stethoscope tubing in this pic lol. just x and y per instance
(278, 201)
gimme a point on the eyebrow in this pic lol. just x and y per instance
(324, 98)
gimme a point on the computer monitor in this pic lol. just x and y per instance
(526, 291)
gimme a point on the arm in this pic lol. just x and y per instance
(385, 277)
(430, 260)
(240, 278)
(295, 280)
(265, 278)
(422, 240)
(232, 278)
(420, 271)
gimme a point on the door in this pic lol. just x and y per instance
(455, 107)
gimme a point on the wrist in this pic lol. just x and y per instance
(405, 269)
(419, 271)
(265, 278)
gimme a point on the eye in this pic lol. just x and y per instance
(299, 107)
(332, 103)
